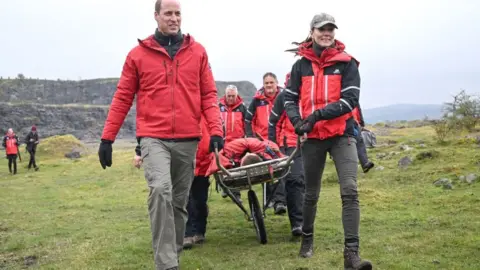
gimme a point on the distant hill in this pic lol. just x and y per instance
(398, 112)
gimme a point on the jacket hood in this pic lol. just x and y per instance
(151, 43)
(260, 94)
(333, 53)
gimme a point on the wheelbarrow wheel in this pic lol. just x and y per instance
(257, 217)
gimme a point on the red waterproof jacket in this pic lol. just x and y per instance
(233, 118)
(329, 83)
(357, 114)
(256, 119)
(10, 142)
(172, 94)
(280, 129)
(233, 152)
(202, 159)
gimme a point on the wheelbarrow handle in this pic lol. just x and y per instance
(300, 141)
(217, 160)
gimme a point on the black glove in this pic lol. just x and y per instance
(105, 153)
(218, 140)
(306, 126)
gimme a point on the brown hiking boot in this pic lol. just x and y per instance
(352, 260)
(306, 249)
(188, 242)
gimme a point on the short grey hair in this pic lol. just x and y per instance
(231, 87)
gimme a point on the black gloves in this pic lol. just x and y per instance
(105, 153)
(306, 125)
(216, 140)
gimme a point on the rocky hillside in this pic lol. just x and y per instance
(83, 121)
(96, 91)
(70, 107)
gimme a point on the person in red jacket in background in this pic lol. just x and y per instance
(256, 119)
(235, 153)
(232, 110)
(10, 142)
(197, 201)
(291, 189)
(361, 149)
(170, 76)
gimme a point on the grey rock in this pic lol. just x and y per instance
(404, 162)
(471, 178)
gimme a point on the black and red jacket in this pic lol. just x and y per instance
(256, 120)
(280, 129)
(172, 93)
(233, 119)
(329, 83)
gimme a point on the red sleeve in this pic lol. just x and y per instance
(208, 93)
(122, 100)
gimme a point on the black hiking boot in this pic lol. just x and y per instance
(352, 261)
(279, 209)
(306, 249)
(368, 166)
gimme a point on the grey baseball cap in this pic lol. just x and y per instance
(322, 19)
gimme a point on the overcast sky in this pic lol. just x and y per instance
(409, 51)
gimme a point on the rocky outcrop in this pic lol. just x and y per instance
(83, 121)
(71, 107)
(96, 92)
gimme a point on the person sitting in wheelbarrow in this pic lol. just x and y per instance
(245, 151)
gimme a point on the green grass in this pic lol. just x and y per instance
(74, 215)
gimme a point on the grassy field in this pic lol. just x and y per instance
(74, 215)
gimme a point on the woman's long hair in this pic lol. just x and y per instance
(295, 50)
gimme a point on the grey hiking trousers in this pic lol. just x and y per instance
(344, 154)
(169, 170)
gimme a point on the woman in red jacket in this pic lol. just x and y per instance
(10, 142)
(324, 88)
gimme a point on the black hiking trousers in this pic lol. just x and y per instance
(32, 158)
(12, 160)
(291, 189)
(197, 207)
(343, 151)
(362, 150)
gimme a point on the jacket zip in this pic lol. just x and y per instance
(233, 118)
(312, 93)
(326, 89)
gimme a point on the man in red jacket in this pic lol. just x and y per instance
(256, 119)
(232, 110)
(291, 189)
(170, 76)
